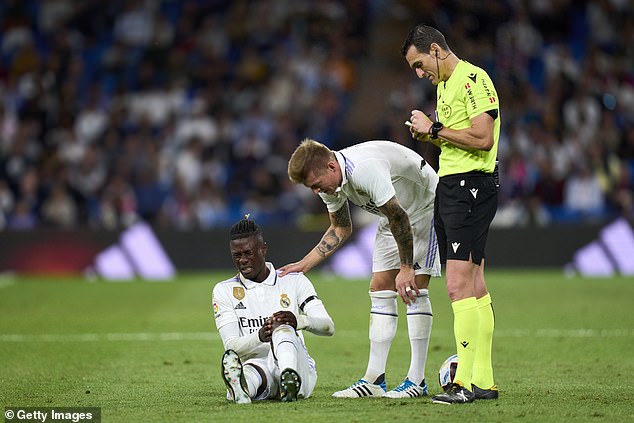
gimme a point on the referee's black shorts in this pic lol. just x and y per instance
(464, 207)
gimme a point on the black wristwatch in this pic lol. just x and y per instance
(435, 128)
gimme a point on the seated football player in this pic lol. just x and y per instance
(260, 316)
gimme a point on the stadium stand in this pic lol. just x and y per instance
(183, 113)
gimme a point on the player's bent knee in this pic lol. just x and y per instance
(284, 329)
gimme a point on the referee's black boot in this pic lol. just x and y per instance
(485, 394)
(456, 394)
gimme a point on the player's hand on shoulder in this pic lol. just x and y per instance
(283, 318)
(266, 331)
(290, 268)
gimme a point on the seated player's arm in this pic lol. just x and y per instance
(313, 316)
(401, 230)
(246, 346)
(316, 320)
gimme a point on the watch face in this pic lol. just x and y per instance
(435, 127)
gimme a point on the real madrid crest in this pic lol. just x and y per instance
(238, 292)
(285, 301)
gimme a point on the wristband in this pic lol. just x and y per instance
(434, 129)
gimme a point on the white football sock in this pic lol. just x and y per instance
(284, 339)
(253, 379)
(419, 322)
(383, 323)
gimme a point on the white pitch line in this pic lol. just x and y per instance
(213, 336)
(99, 337)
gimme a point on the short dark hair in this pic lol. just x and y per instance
(421, 37)
(245, 228)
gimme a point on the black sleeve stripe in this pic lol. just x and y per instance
(493, 113)
(312, 297)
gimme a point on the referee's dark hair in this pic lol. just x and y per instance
(421, 37)
(245, 228)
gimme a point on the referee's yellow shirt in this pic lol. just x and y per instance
(467, 93)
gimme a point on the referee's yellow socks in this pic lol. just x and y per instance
(466, 321)
(482, 367)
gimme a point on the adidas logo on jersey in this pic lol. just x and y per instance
(240, 306)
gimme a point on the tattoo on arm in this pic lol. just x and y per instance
(401, 229)
(331, 240)
(329, 243)
(341, 218)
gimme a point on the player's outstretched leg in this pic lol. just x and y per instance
(290, 384)
(234, 378)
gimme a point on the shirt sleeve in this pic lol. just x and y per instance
(247, 346)
(480, 96)
(333, 202)
(222, 308)
(313, 316)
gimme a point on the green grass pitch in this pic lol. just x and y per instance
(149, 352)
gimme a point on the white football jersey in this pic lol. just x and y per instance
(375, 171)
(249, 304)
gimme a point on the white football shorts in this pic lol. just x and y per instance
(426, 257)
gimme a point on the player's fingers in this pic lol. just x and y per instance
(411, 295)
(404, 296)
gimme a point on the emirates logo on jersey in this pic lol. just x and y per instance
(238, 292)
(285, 301)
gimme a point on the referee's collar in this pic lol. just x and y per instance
(270, 279)
(342, 166)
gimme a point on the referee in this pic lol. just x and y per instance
(466, 129)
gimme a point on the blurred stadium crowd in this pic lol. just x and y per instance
(184, 113)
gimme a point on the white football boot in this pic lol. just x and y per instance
(234, 378)
(362, 389)
(408, 389)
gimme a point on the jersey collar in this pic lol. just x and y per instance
(342, 165)
(270, 280)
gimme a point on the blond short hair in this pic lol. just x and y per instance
(310, 155)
